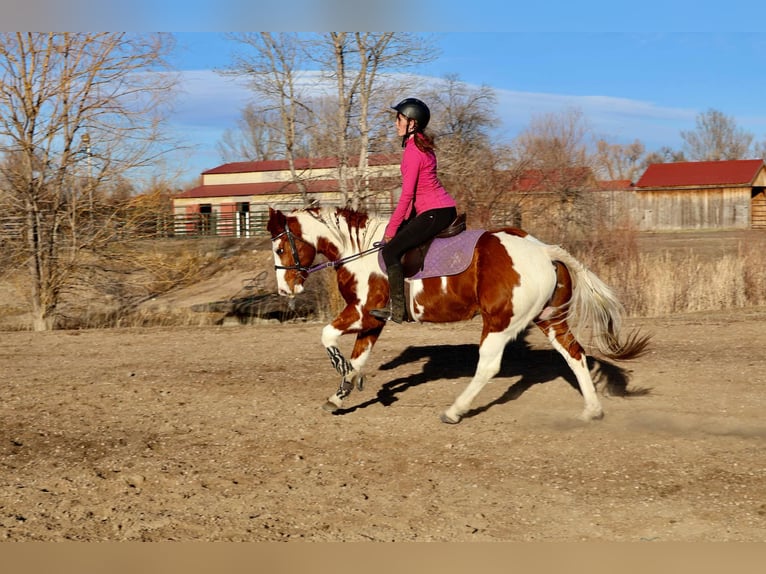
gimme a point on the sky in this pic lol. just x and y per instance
(636, 70)
(629, 85)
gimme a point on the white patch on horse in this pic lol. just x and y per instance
(330, 336)
(490, 359)
(538, 276)
(416, 310)
(282, 287)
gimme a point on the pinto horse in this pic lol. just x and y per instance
(511, 280)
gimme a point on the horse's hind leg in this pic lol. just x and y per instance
(490, 358)
(558, 333)
(553, 322)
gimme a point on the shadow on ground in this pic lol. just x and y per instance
(529, 366)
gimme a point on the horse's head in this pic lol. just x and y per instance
(293, 255)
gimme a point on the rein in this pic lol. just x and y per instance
(319, 266)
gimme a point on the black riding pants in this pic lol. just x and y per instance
(417, 231)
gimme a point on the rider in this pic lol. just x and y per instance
(424, 207)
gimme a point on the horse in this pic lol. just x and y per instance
(512, 280)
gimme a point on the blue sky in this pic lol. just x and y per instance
(637, 70)
(645, 85)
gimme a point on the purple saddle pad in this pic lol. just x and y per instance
(447, 256)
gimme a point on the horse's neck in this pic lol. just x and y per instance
(341, 236)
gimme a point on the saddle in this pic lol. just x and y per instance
(413, 260)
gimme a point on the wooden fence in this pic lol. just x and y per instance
(646, 211)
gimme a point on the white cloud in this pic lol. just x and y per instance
(208, 98)
(620, 119)
(210, 104)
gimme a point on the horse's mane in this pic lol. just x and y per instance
(353, 228)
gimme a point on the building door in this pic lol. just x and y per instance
(204, 226)
(243, 219)
(758, 208)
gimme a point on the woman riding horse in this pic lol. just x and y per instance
(424, 207)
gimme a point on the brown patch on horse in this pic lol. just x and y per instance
(355, 219)
(328, 248)
(458, 302)
(496, 284)
(555, 313)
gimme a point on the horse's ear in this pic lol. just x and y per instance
(277, 221)
(275, 214)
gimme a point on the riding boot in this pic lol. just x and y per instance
(397, 308)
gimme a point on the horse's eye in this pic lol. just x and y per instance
(280, 251)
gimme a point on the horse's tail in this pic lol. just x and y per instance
(594, 305)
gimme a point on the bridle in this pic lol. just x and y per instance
(291, 237)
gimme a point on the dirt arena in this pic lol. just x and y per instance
(217, 434)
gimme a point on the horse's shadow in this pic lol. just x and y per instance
(531, 366)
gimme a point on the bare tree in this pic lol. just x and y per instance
(665, 154)
(314, 119)
(716, 137)
(463, 117)
(619, 161)
(759, 149)
(255, 137)
(556, 140)
(555, 151)
(76, 111)
(355, 62)
(272, 63)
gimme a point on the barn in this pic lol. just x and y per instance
(699, 195)
(233, 199)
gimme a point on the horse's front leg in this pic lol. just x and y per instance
(350, 370)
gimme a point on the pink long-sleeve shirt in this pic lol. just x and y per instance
(419, 179)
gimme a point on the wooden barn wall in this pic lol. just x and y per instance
(693, 209)
(661, 210)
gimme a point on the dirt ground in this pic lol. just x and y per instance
(216, 433)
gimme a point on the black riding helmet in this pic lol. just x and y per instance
(414, 109)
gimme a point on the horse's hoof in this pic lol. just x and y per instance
(330, 407)
(588, 416)
(360, 383)
(449, 420)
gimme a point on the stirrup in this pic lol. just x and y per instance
(387, 314)
(383, 314)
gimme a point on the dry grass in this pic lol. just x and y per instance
(665, 282)
(651, 281)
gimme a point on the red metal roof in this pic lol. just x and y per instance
(700, 173)
(300, 164)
